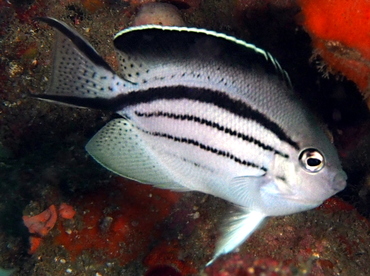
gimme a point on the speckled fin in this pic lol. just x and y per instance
(79, 72)
(119, 148)
(240, 226)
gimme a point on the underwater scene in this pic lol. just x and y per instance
(184, 137)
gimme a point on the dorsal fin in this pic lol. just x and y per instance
(142, 48)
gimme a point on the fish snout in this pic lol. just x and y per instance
(339, 181)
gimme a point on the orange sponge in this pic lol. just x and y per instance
(340, 34)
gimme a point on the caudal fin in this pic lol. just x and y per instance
(80, 76)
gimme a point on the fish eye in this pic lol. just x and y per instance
(311, 160)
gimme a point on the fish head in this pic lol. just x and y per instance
(313, 175)
(319, 174)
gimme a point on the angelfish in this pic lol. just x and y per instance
(201, 111)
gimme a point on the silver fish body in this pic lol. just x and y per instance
(200, 111)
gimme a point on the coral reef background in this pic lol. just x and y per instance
(123, 228)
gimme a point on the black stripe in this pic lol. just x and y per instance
(195, 164)
(219, 99)
(203, 121)
(206, 148)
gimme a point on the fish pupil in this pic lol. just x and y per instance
(313, 162)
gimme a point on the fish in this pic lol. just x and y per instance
(200, 111)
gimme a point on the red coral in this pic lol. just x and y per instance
(167, 255)
(335, 204)
(66, 211)
(120, 221)
(42, 223)
(35, 243)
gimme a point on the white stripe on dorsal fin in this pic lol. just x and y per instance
(119, 148)
(239, 227)
(147, 47)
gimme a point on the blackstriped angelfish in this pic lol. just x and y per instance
(200, 111)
